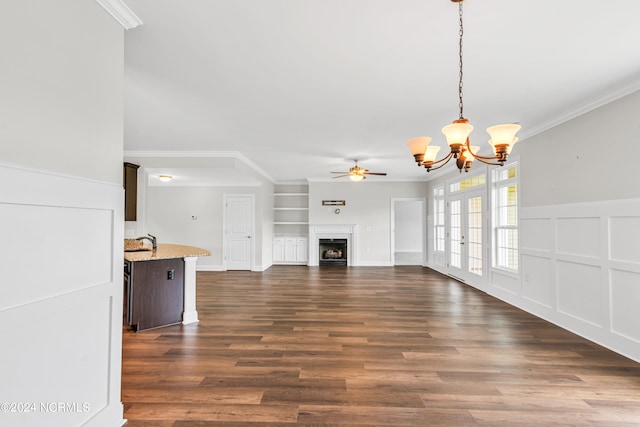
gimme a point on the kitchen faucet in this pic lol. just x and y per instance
(150, 238)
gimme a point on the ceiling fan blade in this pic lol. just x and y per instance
(340, 172)
(339, 176)
(376, 173)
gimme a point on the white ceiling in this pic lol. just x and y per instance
(298, 87)
(197, 177)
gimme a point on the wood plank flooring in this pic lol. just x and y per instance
(368, 346)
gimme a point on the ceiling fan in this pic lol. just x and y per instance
(356, 173)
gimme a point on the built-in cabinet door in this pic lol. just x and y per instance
(302, 250)
(290, 251)
(465, 236)
(278, 250)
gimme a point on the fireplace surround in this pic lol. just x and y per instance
(348, 232)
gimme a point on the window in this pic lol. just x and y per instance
(505, 217)
(468, 183)
(438, 219)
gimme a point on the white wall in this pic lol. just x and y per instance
(368, 205)
(167, 211)
(61, 84)
(61, 213)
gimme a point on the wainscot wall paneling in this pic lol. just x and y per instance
(60, 298)
(537, 283)
(624, 231)
(625, 295)
(580, 269)
(578, 236)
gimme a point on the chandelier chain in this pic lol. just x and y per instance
(461, 33)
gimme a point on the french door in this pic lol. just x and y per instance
(465, 237)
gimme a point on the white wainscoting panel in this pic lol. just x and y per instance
(537, 283)
(60, 298)
(580, 269)
(506, 282)
(578, 236)
(625, 308)
(536, 233)
(578, 287)
(58, 240)
(625, 238)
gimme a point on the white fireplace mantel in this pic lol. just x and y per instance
(333, 231)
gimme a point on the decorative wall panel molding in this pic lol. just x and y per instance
(580, 269)
(61, 303)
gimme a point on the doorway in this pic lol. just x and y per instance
(238, 231)
(465, 241)
(407, 231)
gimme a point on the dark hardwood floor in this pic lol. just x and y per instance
(368, 346)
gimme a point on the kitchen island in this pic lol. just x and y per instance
(160, 285)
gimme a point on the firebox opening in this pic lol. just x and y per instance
(333, 251)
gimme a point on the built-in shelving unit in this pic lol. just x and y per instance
(291, 207)
(290, 224)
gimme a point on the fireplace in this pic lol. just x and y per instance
(333, 233)
(332, 251)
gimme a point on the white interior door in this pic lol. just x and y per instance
(465, 237)
(239, 218)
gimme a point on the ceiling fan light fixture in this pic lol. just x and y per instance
(356, 173)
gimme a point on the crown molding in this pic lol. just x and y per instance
(213, 154)
(121, 13)
(622, 91)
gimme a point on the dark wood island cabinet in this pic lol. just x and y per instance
(155, 293)
(159, 286)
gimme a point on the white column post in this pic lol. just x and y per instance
(190, 314)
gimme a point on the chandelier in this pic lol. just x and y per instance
(502, 137)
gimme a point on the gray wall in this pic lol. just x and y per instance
(62, 75)
(592, 157)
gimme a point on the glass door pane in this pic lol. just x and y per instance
(455, 233)
(474, 235)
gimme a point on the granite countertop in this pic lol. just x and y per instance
(165, 251)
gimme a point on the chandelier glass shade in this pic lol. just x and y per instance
(502, 137)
